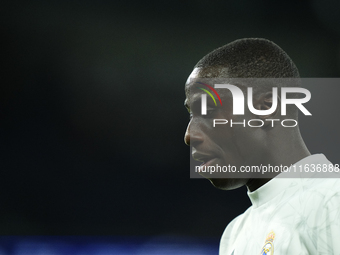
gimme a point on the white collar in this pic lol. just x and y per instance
(280, 183)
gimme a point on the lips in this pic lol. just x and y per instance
(207, 163)
(205, 158)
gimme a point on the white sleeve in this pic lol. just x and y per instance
(327, 230)
(228, 237)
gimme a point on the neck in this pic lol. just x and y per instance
(285, 150)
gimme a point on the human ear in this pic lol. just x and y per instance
(264, 102)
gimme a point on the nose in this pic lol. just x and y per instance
(187, 136)
(192, 136)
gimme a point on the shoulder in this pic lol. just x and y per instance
(230, 233)
(323, 218)
(326, 192)
(323, 188)
(315, 200)
(319, 178)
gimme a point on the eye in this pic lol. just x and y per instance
(210, 113)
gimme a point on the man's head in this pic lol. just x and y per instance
(248, 58)
(241, 60)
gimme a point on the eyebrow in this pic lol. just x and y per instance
(194, 100)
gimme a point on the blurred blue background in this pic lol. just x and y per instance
(92, 116)
(106, 245)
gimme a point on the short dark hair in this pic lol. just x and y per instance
(251, 58)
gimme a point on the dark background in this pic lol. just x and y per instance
(92, 116)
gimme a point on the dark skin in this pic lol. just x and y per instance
(238, 146)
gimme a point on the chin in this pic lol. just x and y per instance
(228, 184)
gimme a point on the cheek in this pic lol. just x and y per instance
(250, 143)
(222, 134)
(226, 140)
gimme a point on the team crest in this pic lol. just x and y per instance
(268, 247)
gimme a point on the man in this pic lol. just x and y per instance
(294, 215)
